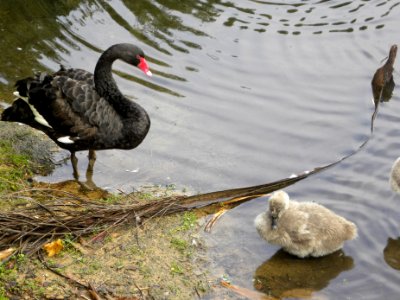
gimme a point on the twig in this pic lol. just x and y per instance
(138, 288)
(70, 279)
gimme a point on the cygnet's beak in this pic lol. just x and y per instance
(274, 220)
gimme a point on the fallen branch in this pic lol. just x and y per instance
(40, 221)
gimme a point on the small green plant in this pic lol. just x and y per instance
(113, 199)
(68, 239)
(176, 269)
(119, 264)
(9, 273)
(189, 220)
(31, 286)
(145, 196)
(5, 273)
(3, 294)
(14, 168)
(179, 244)
(20, 258)
(68, 246)
(81, 259)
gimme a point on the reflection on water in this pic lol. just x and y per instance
(391, 253)
(317, 17)
(30, 31)
(47, 30)
(283, 273)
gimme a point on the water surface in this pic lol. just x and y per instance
(243, 93)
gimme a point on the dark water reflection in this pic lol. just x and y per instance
(29, 32)
(392, 253)
(244, 92)
(283, 273)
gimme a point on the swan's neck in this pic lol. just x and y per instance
(135, 118)
(106, 86)
(392, 56)
(103, 80)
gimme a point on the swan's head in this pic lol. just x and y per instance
(278, 202)
(392, 53)
(132, 55)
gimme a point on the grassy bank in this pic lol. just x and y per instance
(162, 258)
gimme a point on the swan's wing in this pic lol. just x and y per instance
(80, 95)
(76, 74)
(59, 111)
(91, 113)
(77, 87)
(68, 107)
(75, 100)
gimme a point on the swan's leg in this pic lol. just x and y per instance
(74, 162)
(89, 171)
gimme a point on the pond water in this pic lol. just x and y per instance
(243, 93)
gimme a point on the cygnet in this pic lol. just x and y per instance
(303, 228)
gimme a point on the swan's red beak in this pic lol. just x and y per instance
(144, 66)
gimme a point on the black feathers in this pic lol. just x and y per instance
(82, 111)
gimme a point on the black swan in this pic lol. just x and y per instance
(82, 111)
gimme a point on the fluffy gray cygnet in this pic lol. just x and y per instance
(303, 228)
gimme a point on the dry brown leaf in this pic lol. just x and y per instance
(53, 248)
(6, 253)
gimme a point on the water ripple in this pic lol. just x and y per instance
(321, 16)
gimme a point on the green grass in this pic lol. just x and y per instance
(12, 281)
(14, 169)
(144, 196)
(189, 221)
(112, 199)
(179, 244)
(176, 269)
